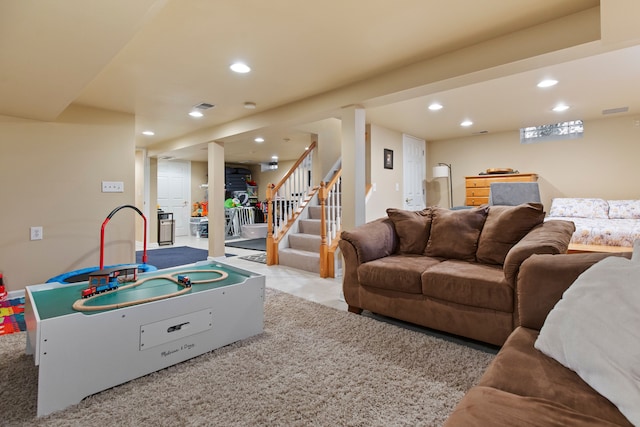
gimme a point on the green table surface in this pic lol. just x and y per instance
(58, 302)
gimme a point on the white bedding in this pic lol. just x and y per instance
(601, 231)
(599, 221)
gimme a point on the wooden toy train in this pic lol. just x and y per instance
(108, 279)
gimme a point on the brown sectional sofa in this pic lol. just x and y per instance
(450, 270)
(522, 386)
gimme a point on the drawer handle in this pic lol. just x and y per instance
(176, 327)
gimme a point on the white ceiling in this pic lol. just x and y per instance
(158, 58)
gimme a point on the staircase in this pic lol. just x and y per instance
(303, 252)
(304, 221)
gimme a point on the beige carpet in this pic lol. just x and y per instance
(313, 365)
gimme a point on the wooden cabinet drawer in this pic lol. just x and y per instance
(477, 201)
(476, 182)
(478, 192)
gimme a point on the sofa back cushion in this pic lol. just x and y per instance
(504, 227)
(412, 227)
(454, 234)
(579, 208)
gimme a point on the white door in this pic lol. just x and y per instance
(414, 174)
(174, 192)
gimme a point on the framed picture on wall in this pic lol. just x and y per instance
(388, 159)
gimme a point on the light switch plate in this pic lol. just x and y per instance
(112, 187)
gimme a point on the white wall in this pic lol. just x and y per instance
(50, 176)
(601, 164)
(385, 180)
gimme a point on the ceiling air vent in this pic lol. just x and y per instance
(615, 110)
(204, 106)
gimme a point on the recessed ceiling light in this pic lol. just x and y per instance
(240, 67)
(196, 114)
(259, 139)
(274, 157)
(466, 123)
(435, 106)
(148, 133)
(560, 107)
(250, 105)
(547, 83)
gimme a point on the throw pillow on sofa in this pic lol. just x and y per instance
(593, 330)
(454, 234)
(412, 228)
(505, 226)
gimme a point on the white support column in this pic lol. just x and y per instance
(353, 167)
(216, 199)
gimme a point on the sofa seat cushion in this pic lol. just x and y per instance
(486, 406)
(472, 284)
(522, 370)
(400, 273)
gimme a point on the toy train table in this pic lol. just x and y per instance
(84, 342)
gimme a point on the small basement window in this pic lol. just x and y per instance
(564, 130)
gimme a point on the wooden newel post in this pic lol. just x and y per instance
(324, 249)
(270, 212)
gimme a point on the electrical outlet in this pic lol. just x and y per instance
(112, 187)
(36, 233)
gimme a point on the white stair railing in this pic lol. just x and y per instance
(330, 197)
(286, 199)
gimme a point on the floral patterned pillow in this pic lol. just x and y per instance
(624, 209)
(579, 208)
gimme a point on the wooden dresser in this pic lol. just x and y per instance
(477, 187)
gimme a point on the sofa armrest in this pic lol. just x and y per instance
(373, 240)
(550, 237)
(544, 278)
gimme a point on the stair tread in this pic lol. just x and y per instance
(299, 252)
(306, 236)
